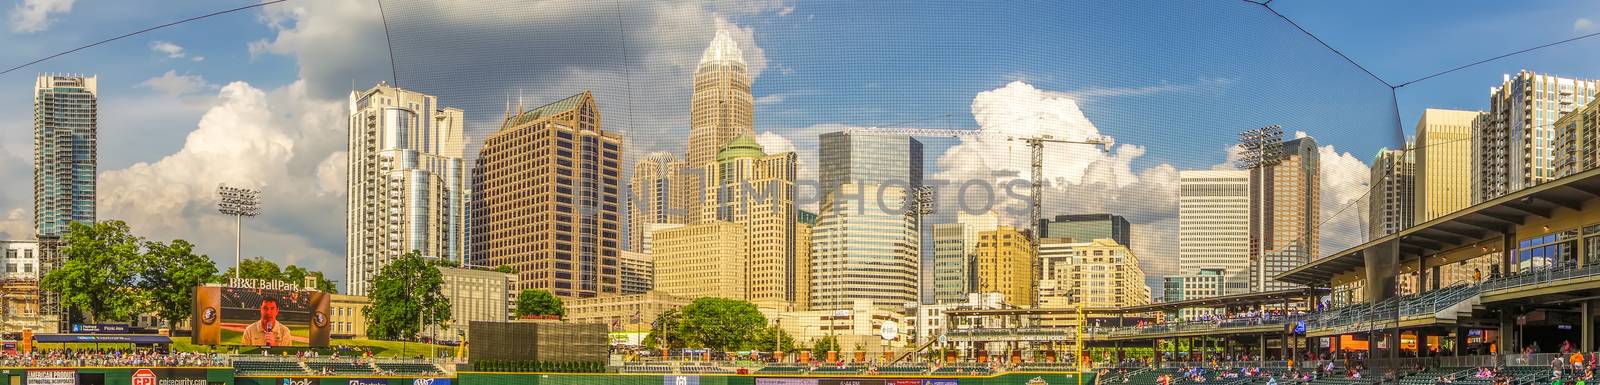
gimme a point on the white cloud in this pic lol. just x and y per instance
(172, 84)
(168, 48)
(786, 11)
(1583, 24)
(32, 16)
(198, 58)
(1080, 178)
(1203, 84)
(281, 141)
(770, 99)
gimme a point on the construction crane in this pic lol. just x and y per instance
(1036, 164)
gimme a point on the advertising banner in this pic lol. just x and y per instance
(681, 380)
(260, 317)
(431, 381)
(169, 376)
(297, 381)
(368, 381)
(849, 381)
(786, 381)
(52, 377)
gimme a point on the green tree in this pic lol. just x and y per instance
(505, 269)
(255, 268)
(539, 302)
(720, 323)
(664, 331)
(168, 274)
(771, 337)
(100, 273)
(297, 275)
(822, 346)
(400, 293)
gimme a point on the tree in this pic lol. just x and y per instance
(297, 275)
(100, 273)
(401, 292)
(168, 274)
(720, 323)
(771, 337)
(823, 345)
(664, 331)
(505, 269)
(539, 302)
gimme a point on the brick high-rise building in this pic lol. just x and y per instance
(546, 195)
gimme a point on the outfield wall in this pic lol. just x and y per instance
(116, 376)
(224, 376)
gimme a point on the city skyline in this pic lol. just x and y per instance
(288, 245)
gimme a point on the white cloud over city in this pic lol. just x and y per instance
(31, 16)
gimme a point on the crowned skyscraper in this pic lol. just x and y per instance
(721, 107)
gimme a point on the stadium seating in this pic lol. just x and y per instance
(903, 369)
(339, 367)
(408, 368)
(839, 370)
(783, 369)
(248, 367)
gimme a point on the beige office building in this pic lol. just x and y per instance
(1005, 265)
(1098, 274)
(1443, 162)
(657, 197)
(1578, 140)
(407, 181)
(632, 312)
(546, 200)
(1285, 210)
(703, 260)
(756, 191)
(1214, 226)
(474, 295)
(804, 222)
(638, 272)
(721, 105)
(858, 326)
(349, 317)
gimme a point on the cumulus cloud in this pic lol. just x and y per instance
(32, 16)
(280, 141)
(1080, 179)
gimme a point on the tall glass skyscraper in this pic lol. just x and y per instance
(865, 246)
(407, 181)
(1514, 146)
(65, 122)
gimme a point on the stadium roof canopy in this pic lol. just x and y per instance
(1247, 299)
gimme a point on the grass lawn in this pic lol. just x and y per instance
(378, 347)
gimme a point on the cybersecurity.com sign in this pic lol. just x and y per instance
(168, 377)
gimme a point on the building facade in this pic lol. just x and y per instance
(1393, 184)
(1087, 227)
(1285, 209)
(756, 191)
(1005, 265)
(657, 197)
(1443, 151)
(638, 272)
(804, 224)
(347, 315)
(474, 295)
(630, 312)
(706, 259)
(867, 244)
(1515, 143)
(721, 105)
(1214, 224)
(21, 260)
(1578, 140)
(407, 181)
(955, 247)
(65, 128)
(1098, 274)
(545, 200)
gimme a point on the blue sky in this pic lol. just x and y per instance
(1175, 79)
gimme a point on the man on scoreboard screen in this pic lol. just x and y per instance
(267, 331)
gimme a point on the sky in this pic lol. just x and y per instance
(258, 97)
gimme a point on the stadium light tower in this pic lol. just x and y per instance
(240, 203)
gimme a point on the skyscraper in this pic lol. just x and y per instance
(954, 249)
(867, 242)
(546, 191)
(756, 191)
(65, 125)
(706, 259)
(1515, 144)
(658, 196)
(1086, 227)
(1284, 212)
(721, 106)
(804, 223)
(1214, 225)
(637, 272)
(407, 184)
(1005, 264)
(1393, 183)
(1095, 274)
(1444, 162)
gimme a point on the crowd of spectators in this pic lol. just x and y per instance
(111, 357)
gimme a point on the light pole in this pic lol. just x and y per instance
(240, 203)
